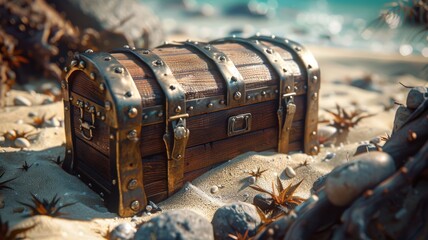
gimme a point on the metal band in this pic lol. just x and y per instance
(175, 109)
(124, 102)
(308, 62)
(286, 84)
(232, 77)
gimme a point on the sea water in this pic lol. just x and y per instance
(338, 23)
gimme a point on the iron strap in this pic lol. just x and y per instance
(175, 109)
(286, 86)
(307, 61)
(232, 78)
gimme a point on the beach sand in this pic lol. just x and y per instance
(89, 219)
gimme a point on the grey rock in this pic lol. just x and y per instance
(123, 231)
(53, 122)
(363, 148)
(22, 101)
(416, 96)
(235, 217)
(348, 181)
(179, 224)
(329, 156)
(366, 83)
(120, 22)
(22, 143)
(401, 117)
(263, 201)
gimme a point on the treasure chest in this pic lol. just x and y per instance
(140, 123)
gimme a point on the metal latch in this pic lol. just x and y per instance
(239, 124)
(83, 124)
(284, 130)
(180, 137)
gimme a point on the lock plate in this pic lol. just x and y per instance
(239, 124)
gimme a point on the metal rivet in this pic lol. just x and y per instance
(258, 34)
(102, 87)
(178, 109)
(190, 108)
(113, 181)
(63, 84)
(82, 64)
(178, 156)
(296, 88)
(107, 58)
(314, 96)
(286, 40)
(89, 51)
(309, 66)
(128, 94)
(92, 76)
(103, 118)
(90, 185)
(221, 102)
(146, 52)
(66, 69)
(314, 150)
(86, 105)
(160, 114)
(133, 48)
(188, 40)
(263, 93)
(233, 36)
(273, 36)
(126, 46)
(276, 91)
(98, 114)
(314, 133)
(101, 194)
(269, 50)
(288, 89)
(73, 63)
(135, 205)
(71, 98)
(132, 135)
(66, 108)
(165, 43)
(196, 43)
(172, 87)
(210, 105)
(207, 47)
(257, 42)
(314, 79)
(157, 62)
(111, 136)
(237, 96)
(145, 116)
(118, 70)
(234, 79)
(107, 105)
(248, 97)
(305, 87)
(132, 113)
(298, 48)
(132, 184)
(222, 58)
(78, 175)
(69, 151)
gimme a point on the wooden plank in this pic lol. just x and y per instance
(94, 159)
(81, 84)
(213, 126)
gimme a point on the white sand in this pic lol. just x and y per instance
(89, 219)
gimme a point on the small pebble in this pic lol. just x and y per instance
(149, 208)
(375, 140)
(134, 218)
(123, 231)
(329, 156)
(22, 143)
(2, 139)
(54, 122)
(252, 180)
(214, 189)
(326, 134)
(18, 210)
(21, 101)
(32, 114)
(20, 121)
(290, 172)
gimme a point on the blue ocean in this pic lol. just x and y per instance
(347, 24)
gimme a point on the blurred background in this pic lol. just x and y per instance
(371, 25)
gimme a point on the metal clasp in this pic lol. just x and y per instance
(285, 126)
(239, 124)
(83, 124)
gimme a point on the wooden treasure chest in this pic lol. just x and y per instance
(140, 123)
